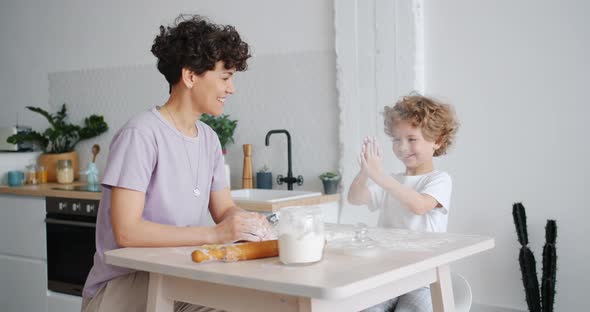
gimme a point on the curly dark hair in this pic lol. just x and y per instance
(436, 120)
(194, 43)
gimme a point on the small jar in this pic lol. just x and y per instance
(65, 171)
(301, 235)
(41, 174)
(31, 175)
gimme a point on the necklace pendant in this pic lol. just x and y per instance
(197, 192)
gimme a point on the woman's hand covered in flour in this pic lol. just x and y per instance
(371, 158)
(240, 225)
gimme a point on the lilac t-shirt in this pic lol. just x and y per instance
(149, 155)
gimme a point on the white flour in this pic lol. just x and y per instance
(306, 249)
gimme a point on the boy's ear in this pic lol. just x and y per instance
(437, 144)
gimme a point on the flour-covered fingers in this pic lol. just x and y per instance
(256, 224)
(374, 146)
(248, 237)
(363, 159)
(369, 153)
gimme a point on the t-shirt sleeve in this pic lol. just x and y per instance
(131, 162)
(440, 187)
(376, 191)
(218, 181)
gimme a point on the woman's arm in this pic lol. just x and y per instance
(233, 223)
(131, 230)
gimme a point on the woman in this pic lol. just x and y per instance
(165, 169)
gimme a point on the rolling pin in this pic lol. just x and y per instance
(236, 252)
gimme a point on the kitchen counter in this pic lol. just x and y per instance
(273, 207)
(49, 190)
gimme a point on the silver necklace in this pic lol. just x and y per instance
(196, 191)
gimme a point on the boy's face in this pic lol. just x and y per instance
(211, 89)
(410, 146)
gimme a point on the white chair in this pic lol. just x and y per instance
(461, 293)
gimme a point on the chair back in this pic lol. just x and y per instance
(461, 293)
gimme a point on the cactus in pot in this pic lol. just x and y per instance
(536, 301)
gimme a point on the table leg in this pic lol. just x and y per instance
(442, 290)
(156, 300)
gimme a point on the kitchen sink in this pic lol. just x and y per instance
(270, 196)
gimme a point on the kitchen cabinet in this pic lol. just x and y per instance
(57, 302)
(23, 284)
(22, 226)
(23, 265)
(330, 211)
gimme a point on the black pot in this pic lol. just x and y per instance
(264, 180)
(331, 186)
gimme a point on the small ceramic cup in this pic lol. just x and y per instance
(16, 178)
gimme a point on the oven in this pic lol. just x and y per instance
(70, 225)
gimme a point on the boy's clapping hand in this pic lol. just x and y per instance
(371, 158)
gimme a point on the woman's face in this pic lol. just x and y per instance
(211, 89)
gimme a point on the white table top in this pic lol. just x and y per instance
(401, 254)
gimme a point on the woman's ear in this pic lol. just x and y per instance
(188, 77)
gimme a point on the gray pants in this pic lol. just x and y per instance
(128, 293)
(418, 300)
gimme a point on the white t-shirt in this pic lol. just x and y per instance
(437, 184)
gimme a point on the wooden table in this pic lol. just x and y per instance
(340, 282)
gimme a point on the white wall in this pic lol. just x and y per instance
(517, 73)
(379, 58)
(78, 37)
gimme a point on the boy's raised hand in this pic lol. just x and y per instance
(371, 158)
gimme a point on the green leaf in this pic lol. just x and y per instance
(44, 113)
(62, 136)
(223, 126)
(329, 176)
(32, 136)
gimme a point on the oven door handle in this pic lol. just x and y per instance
(68, 222)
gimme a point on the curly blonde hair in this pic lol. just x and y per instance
(436, 120)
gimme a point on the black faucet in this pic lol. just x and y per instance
(290, 180)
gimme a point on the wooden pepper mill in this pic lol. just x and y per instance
(247, 173)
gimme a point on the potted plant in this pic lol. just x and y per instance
(264, 178)
(330, 181)
(537, 298)
(58, 141)
(223, 126)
